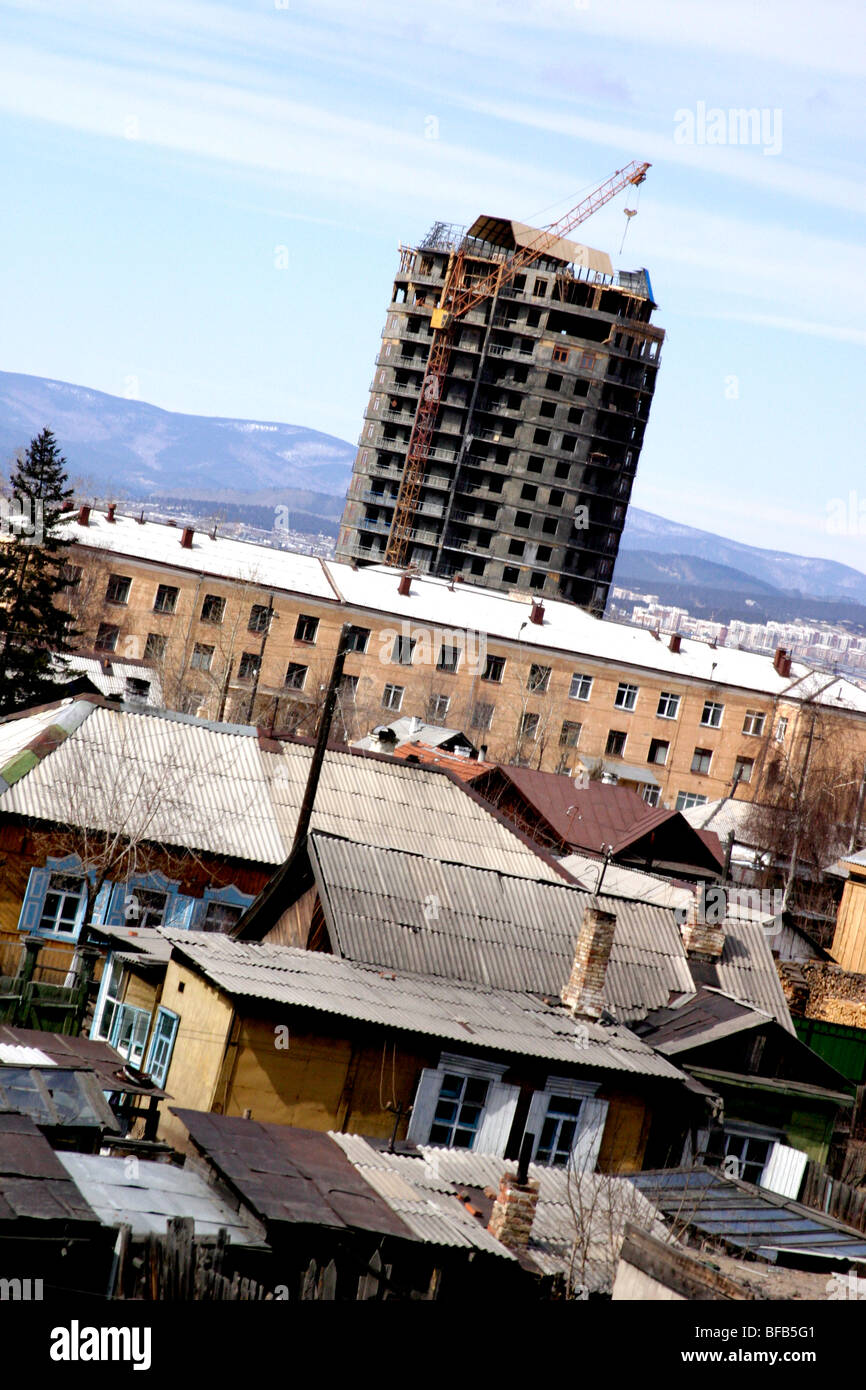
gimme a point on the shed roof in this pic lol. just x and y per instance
(749, 1218)
(34, 1185)
(290, 1176)
(145, 1195)
(83, 1053)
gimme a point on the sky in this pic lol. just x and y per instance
(203, 205)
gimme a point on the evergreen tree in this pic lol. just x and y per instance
(33, 555)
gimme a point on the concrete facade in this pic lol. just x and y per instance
(540, 427)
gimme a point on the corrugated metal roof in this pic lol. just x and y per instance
(507, 1022)
(412, 913)
(187, 782)
(579, 1220)
(433, 1213)
(146, 1194)
(621, 882)
(747, 1217)
(17, 1055)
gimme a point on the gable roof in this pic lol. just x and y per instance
(228, 790)
(600, 814)
(407, 912)
(507, 1022)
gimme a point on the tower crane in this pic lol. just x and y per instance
(460, 295)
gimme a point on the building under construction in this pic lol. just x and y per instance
(520, 476)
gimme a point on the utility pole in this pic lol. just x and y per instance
(257, 677)
(792, 867)
(306, 810)
(855, 832)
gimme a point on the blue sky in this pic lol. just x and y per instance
(164, 158)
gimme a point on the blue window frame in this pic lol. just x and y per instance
(55, 900)
(458, 1112)
(161, 1045)
(129, 1032)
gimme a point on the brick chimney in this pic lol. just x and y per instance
(112, 508)
(536, 612)
(186, 538)
(782, 661)
(514, 1209)
(84, 515)
(676, 642)
(584, 993)
(405, 585)
(703, 940)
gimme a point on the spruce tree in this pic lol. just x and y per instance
(33, 554)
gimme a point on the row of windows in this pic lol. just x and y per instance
(127, 1027)
(467, 1105)
(711, 715)
(306, 630)
(56, 899)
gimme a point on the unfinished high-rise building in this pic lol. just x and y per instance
(540, 421)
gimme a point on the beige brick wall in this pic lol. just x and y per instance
(220, 692)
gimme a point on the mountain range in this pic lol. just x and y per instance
(127, 449)
(132, 449)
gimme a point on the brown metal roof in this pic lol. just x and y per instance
(602, 814)
(290, 1176)
(34, 1185)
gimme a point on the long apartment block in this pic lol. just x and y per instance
(247, 633)
(541, 422)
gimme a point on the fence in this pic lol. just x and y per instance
(834, 1197)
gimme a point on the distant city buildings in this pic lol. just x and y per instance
(822, 645)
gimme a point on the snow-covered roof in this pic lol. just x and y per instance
(463, 607)
(111, 676)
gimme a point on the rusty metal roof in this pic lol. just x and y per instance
(34, 1185)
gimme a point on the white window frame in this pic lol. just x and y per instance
(754, 723)
(708, 719)
(668, 699)
(626, 696)
(592, 1118)
(387, 700)
(781, 728)
(497, 1115)
(583, 683)
(686, 800)
(746, 768)
(138, 1035)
